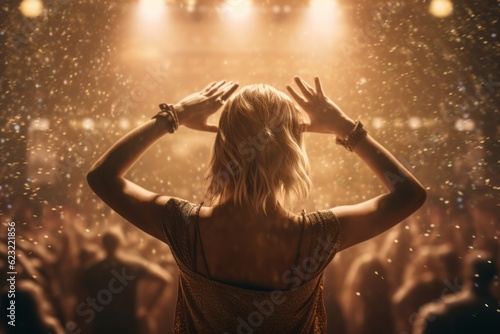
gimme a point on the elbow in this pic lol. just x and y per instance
(93, 179)
(411, 197)
(99, 180)
(419, 197)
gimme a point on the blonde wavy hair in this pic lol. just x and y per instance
(259, 154)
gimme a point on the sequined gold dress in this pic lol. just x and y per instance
(205, 305)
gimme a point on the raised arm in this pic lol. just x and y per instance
(362, 221)
(139, 206)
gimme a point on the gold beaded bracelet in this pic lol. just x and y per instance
(168, 112)
(353, 138)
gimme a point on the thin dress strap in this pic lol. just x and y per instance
(295, 263)
(198, 236)
(197, 226)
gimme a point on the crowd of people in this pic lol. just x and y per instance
(437, 272)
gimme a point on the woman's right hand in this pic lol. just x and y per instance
(325, 115)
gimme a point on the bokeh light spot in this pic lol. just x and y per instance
(441, 8)
(31, 8)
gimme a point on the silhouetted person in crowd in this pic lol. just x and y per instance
(33, 313)
(247, 263)
(368, 297)
(486, 214)
(472, 310)
(111, 305)
(336, 320)
(461, 230)
(397, 251)
(442, 277)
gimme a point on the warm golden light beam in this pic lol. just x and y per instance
(236, 9)
(151, 10)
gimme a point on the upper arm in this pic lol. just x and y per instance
(139, 206)
(368, 219)
(156, 272)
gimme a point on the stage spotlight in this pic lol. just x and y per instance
(279, 12)
(151, 10)
(377, 122)
(124, 123)
(323, 10)
(88, 123)
(31, 8)
(191, 6)
(236, 9)
(441, 8)
(323, 19)
(465, 124)
(414, 122)
(39, 124)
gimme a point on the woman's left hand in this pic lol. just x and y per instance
(194, 110)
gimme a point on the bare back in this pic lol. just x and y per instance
(242, 248)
